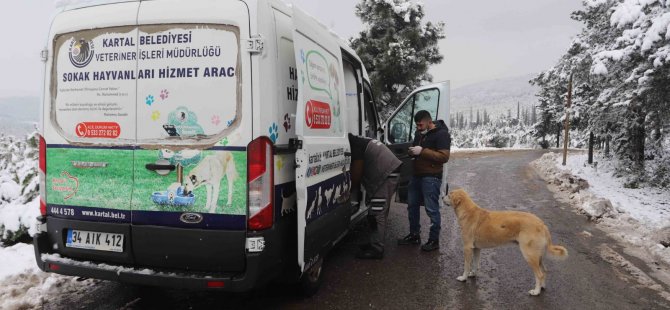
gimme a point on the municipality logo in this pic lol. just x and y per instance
(81, 52)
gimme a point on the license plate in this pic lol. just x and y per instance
(92, 240)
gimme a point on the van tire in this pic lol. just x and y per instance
(311, 279)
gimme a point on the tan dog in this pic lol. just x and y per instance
(481, 228)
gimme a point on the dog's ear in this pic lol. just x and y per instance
(447, 200)
(456, 197)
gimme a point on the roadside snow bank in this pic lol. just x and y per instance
(640, 217)
(17, 259)
(24, 286)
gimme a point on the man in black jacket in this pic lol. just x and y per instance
(373, 164)
(430, 151)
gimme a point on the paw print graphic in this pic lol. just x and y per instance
(216, 120)
(274, 134)
(164, 94)
(287, 122)
(149, 100)
(225, 141)
(155, 115)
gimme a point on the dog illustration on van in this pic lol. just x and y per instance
(209, 172)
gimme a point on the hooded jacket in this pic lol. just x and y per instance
(436, 144)
(379, 160)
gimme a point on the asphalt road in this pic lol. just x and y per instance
(410, 279)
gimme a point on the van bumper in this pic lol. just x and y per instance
(233, 282)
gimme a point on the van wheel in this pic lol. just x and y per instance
(311, 280)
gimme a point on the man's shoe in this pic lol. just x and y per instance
(370, 253)
(431, 245)
(410, 239)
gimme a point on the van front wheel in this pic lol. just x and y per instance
(311, 279)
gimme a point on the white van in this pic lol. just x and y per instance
(202, 143)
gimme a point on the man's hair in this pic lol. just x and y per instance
(422, 115)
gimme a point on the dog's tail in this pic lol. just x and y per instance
(557, 251)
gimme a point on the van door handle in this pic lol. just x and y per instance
(155, 167)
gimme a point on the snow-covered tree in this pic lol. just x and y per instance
(19, 186)
(396, 47)
(620, 63)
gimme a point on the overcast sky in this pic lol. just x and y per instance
(485, 39)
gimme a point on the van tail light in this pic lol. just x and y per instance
(260, 180)
(42, 175)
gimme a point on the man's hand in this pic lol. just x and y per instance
(415, 150)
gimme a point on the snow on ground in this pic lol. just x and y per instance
(24, 286)
(488, 149)
(638, 217)
(16, 259)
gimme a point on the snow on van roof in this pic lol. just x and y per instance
(73, 4)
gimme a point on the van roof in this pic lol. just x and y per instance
(67, 5)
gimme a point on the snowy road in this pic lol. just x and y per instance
(597, 275)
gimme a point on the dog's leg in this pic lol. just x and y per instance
(211, 206)
(467, 255)
(215, 196)
(209, 198)
(533, 256)
(544, 269)
(231, 176)
(230, 191)
(475, 263)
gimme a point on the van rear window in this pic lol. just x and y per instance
(153, 82)
(94, 83)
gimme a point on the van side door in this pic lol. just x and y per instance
(400, 127)
(322, 180)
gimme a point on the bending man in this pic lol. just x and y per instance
(373, 164)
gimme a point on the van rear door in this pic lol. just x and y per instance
(189, 205)
(322, 179)
(89, 128)
(400, 127)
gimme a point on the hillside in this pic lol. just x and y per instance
(496, 96)
(18, 115)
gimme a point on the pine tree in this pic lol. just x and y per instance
(396, 47)
(471, 119)
(517, 110)
(621, 67)
(533, 115)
